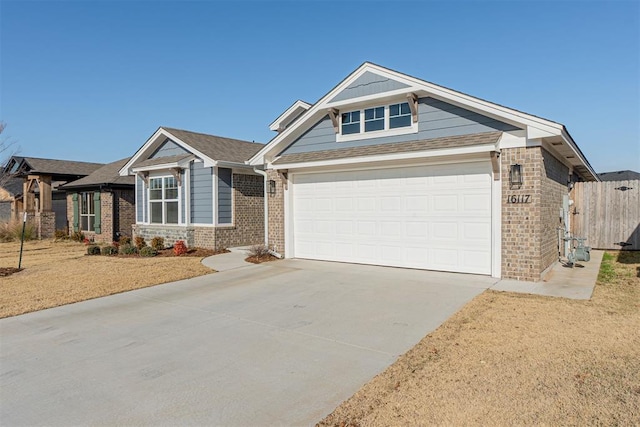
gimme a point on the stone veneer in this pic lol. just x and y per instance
(45, 223)
(248, 227)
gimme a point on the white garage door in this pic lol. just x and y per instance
(428, 217)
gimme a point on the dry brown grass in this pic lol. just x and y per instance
(510, 359)
(58, 273)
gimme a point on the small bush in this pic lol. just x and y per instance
(157, 243)
(258, 251)
(12, 230)
(93, 250)
(61, 235)
(140, 243)
(148, 251)
(77, 236)
(124, 240)
(128, 249)
(179, 248)
(109, 250)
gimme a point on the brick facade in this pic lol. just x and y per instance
(248, 216)
(117, 215)
(276, 214)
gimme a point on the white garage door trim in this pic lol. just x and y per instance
(491, 219)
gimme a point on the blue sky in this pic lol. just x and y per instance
(91, 80)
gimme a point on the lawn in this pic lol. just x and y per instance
(514, 359)
(58, 273)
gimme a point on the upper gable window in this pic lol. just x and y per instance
(393, 119)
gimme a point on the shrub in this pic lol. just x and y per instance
(93, 250)
(109, 250)
(12, 230)
(157, 243)
(179, 248)
(77, 236)
(148, 251)
(128, 249)
(140, 243)
(258, 251)
(124, 240)
(61, 235)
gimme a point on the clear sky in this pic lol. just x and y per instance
(92, 80)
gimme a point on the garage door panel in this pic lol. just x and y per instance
(431, 217)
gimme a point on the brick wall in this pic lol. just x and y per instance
(276, 214)
(555, 176)
(521, 241)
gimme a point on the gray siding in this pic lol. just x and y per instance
(435, 119)
(201, 194)
(224, 196)
(139, 199)
(59, 206)
(5, 211)
(168, 148)
(368, 84)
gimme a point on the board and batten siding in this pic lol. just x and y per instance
(201, 194)
(140, 200)
(436, 119)
(168, 148)
(225, 209)
(368, 84)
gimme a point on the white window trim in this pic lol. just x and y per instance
(376, 133)
(162, 202)
(88, 215)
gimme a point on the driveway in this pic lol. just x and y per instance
(279, 343)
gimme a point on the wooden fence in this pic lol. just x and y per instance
(607, 214)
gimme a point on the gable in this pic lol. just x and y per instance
(368, 84)
(436, 119)
(168, 148)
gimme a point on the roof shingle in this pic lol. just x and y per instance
(106, 175)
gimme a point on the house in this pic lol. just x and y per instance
(388, 169)
(102, 204)
(197, 188)
(41, 197)
(10, 190)
(626, 175)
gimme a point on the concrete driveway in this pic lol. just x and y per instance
(282, 343)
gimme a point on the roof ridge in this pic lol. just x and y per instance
(208, 134)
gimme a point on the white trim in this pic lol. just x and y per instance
(184, 163)
(289, 248)
(163, 201)
(186, 182)
(475, 149)
(496, 223)
(387, 131)
(290, 113)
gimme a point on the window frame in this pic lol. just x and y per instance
(386, 131)
(91, 207)
(163, 200)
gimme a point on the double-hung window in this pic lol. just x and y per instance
(87, 212)
(395, 119)
(163, 200)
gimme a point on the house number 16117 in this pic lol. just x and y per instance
(520, 198)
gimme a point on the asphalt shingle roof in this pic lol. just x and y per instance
(59, 167)
(401, 147)
(619, 175)
(106, 175)
(217, 147)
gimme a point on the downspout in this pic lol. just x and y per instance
(266, 212)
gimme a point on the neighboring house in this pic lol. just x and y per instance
(40, 196)
(197, 188)
(388, 169)
(102, 205)
(619, 176)
(10, 198)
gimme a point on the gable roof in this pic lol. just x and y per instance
(210, 148)
(36, 165)
(625, 175)
(107, 175)
(13, 185)
(396, 84)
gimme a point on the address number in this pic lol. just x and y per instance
(520, 198)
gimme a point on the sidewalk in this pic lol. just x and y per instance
(229, 261)
(561, 281)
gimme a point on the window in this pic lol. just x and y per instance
(399, 115)
(394, 117)
(163, 200)
(374, 119)
(351, 122)
(87, 212)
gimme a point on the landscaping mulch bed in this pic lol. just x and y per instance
(8, 271)
(261, 259)
(195, 252)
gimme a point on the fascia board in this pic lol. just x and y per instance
(574, 147)
(476, 149)
(299, 104)
(124, 171)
